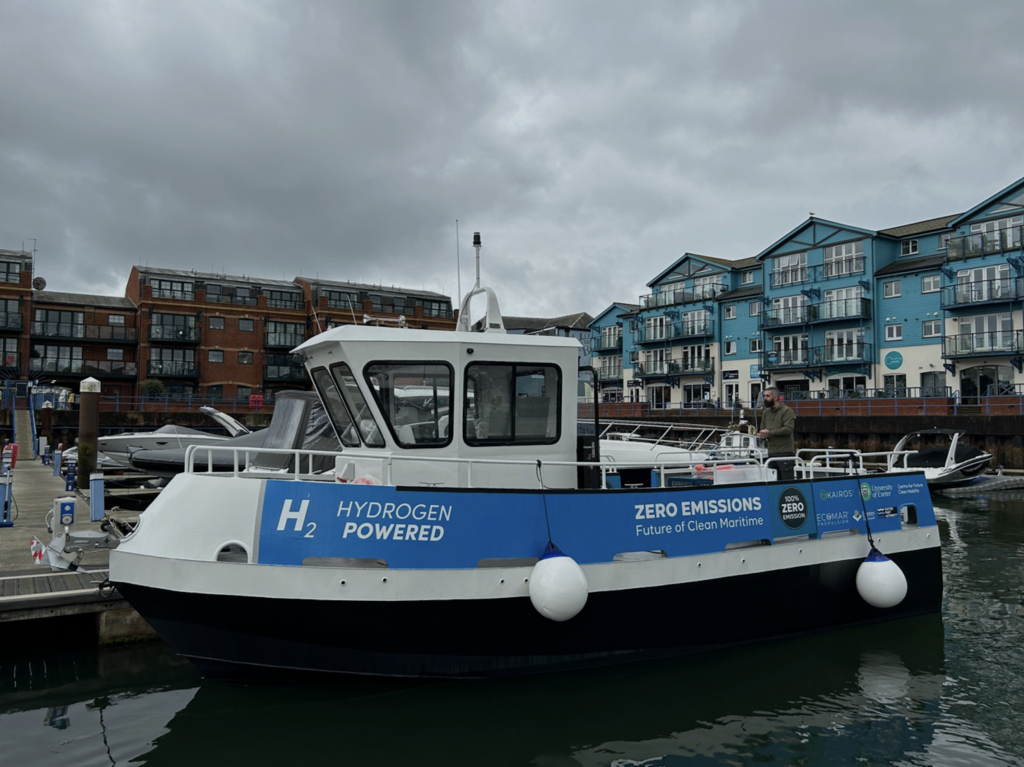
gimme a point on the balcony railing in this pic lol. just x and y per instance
(283, 373)
(58, 329)
(671, 297)
(176, 295)
(790, 358)
(10, 320)
(684, 329)
(983, 344)
(980, 292)
(217, 298)
(841, 309)
(115, 333)
(605, 344)
(609, 374)
(106, 368)
(980, 243)
(173, 369)
(791, 315)
(283, 340)
(830, 270)
(838, 353)
(280, 303)
(186, 334)
(676, 367)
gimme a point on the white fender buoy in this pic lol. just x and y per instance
(880, 582)
(558, 586)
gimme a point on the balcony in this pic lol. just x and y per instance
(609, 374)
(274, 340)
(676, 368)
(605, 344)
(843, 309)
(72, 367)
(283, 373)
(182, 334)
(982, 243)
(830, 270)
(981, 292)
(672, 297)
(10, 320)
(791, 358)
(792, 315)
(280, 303)
(58, 330)
(845, 353)
(173, 369)
(217, 298)
(677, 330)
(174, 295)
(117, 334)
(841, 353)
(983, 344)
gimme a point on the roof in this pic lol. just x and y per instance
(577, 321)
(984, 204)
(911, 265)
(192, 274)
(82, 299)
(921, 227)
(746, 291)
(723, 262)
(812, 221)
(316, 282)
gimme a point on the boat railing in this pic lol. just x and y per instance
(839, 461)
(246, 462)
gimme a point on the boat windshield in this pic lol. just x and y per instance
(346, 406)
(413, 397)
(512, 404)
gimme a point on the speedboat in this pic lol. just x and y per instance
(485, 540)
(947, 465)
(118, 448)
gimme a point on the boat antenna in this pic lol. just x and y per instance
(476, 246)
(458, 263)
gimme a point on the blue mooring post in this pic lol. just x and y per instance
(56, 462)
(69, 484)
(96, 507)
(6, 482)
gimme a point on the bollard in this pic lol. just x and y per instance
(69, 477)
(96, 505)
(56, 462)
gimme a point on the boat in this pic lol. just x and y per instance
(119, 447)
(299, 421)
(486, 540)
(946, 465)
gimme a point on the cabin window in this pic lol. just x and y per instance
(413, 397)
(336, 409)
(365, 423)
(512, 404)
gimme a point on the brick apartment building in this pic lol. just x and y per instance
(201, 334)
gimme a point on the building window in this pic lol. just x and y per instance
(215, 392)
(730, 312)
(634, 358)
(747, 278)
(216, 323)
(245, 358)
(215, 355)
(933, 384)
(55, 359)
(931, 329)
(755, 345)
(116, 320)
(944, 239)
(908, 248)
(844, 259)
(730, 347)
(895, 385)
(755, 308)
(340, 299)
(244, 392)
(931, 283)
(182, 291)
(115, 354)
(59, 324)
(10, 271)
(893, 332)
(281, 299)
(8, 352)
(245, 325)
(789, 270)
(891, 289)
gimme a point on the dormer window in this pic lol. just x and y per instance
(908, 248)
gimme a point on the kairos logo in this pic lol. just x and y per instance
(793, 508)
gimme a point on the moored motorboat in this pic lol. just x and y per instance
(479, 541)
(945, 465)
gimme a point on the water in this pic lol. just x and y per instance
(928, 691)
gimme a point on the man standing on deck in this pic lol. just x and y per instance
(777, 426)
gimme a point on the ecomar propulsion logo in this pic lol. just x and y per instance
(793, 508)
(865, 491)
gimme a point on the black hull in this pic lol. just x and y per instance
(232, 637)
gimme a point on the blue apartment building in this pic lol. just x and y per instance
(929, 309)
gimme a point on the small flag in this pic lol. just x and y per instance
(37, 549)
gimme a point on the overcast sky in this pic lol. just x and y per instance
(591, 143)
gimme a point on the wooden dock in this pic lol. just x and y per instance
(35, 594)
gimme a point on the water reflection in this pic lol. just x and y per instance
(930, 690)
